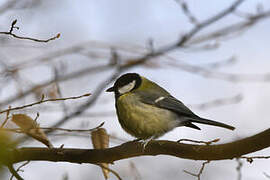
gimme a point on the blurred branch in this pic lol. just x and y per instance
(226, 62)
(43, 101)
(132, 149)
(239, 168)
(266, 175)
(12, 27)
(59, 79)
(230, 29)
(195, 69)
(135, 171)
(7, 5)
(187, 12)
(91, 100)
(112, 171)
(184, 39)
(77, 49)
(218, 102)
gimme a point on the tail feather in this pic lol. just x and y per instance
(211, 122)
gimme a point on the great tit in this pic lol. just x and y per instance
(147, 111)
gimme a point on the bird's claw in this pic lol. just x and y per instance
(144, 142)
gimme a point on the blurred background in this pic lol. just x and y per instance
(221, 73)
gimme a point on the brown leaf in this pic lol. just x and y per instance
(100, 140)
(31, 128)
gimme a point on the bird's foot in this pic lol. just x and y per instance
(144, 142)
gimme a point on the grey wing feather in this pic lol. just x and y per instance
(167, 102)
(171, 103)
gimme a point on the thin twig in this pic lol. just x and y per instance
(19, 168)
(70, 76)
(229, 30)
(12, 27)
(19, 130)
(43, 101)
(14, 173)
(86, 105)
(251, 158)
(198, 175)
(7, 116)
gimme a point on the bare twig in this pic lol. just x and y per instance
(230, 29)
(19, 130)
(251, 158)
(198, 175)
(19, 168)
(43, 101)
(92, 99)
(7, 116)
(14, 173)
(12, 27)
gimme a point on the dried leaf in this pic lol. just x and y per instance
(100, 140)
(31, 128)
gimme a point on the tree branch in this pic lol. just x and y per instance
(12, 27)
(132, 149)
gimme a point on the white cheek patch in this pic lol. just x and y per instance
(127, 88)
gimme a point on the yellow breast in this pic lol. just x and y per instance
(144, 120)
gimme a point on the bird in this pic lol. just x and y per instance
(147, 111)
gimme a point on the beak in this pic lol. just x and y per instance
(111, 89)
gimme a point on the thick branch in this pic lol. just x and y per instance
(133, 149)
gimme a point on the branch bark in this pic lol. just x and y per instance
(133, 149)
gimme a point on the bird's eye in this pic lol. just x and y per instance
(127, 88)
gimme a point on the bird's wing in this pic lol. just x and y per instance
(166, 102)
(172, 104)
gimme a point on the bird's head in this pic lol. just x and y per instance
(126, 83)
